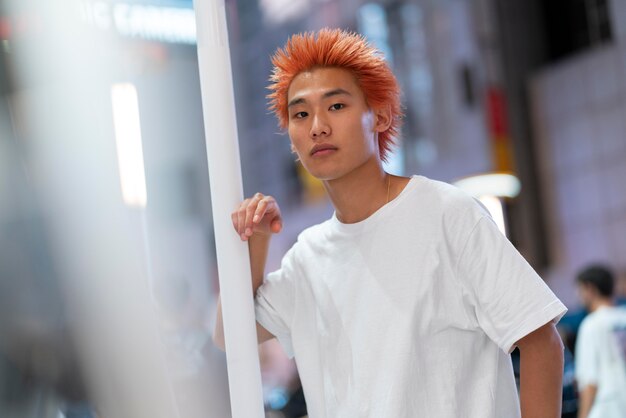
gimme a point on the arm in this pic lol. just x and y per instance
(586, 397)
(541, 374)
(255, 221)
(587, 367)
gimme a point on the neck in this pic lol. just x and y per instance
(599, 303)
(360, 193)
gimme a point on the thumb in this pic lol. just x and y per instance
(276, 226)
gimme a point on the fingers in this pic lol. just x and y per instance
(241, 218)
(251, 213)
(238, 218)
(261, 209)
(249, 216)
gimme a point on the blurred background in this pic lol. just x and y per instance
(108, 277)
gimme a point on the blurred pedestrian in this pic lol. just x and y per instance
(601, 348)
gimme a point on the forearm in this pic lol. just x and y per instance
(541, 375)
(586, 397)
(258, 247)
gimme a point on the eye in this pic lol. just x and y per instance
(300, 115)
(337, 106)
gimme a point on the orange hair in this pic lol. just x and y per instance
(341, 49)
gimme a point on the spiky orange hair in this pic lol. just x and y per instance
(337, 48)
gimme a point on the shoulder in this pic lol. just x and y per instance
(589, 325)
(310, 240)
(457, 211)
(606, 318)
(618, 311)
(446, 198)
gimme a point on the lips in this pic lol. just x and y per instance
(322, 149)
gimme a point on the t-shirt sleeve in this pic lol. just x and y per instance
(275, 302)
(510, 300)
(586, 357)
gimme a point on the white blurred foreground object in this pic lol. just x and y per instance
(63, 107)
(226, 192)
(67, 124)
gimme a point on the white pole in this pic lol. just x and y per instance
(218, 102)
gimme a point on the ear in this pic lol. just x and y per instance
(382, 118)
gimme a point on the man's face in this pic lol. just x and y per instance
(330, 125)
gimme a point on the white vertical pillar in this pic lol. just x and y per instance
(222, 145)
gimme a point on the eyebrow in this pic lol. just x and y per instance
(326, 95)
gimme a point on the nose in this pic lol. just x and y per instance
(319, 127)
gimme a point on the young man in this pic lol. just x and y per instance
(601, 348)
(407, 302)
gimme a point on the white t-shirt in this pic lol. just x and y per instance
(601, 360)
(409, 313)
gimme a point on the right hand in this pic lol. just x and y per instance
(258, 215)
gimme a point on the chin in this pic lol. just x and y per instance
(323, 176)
(320, 173)
(334, 170)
